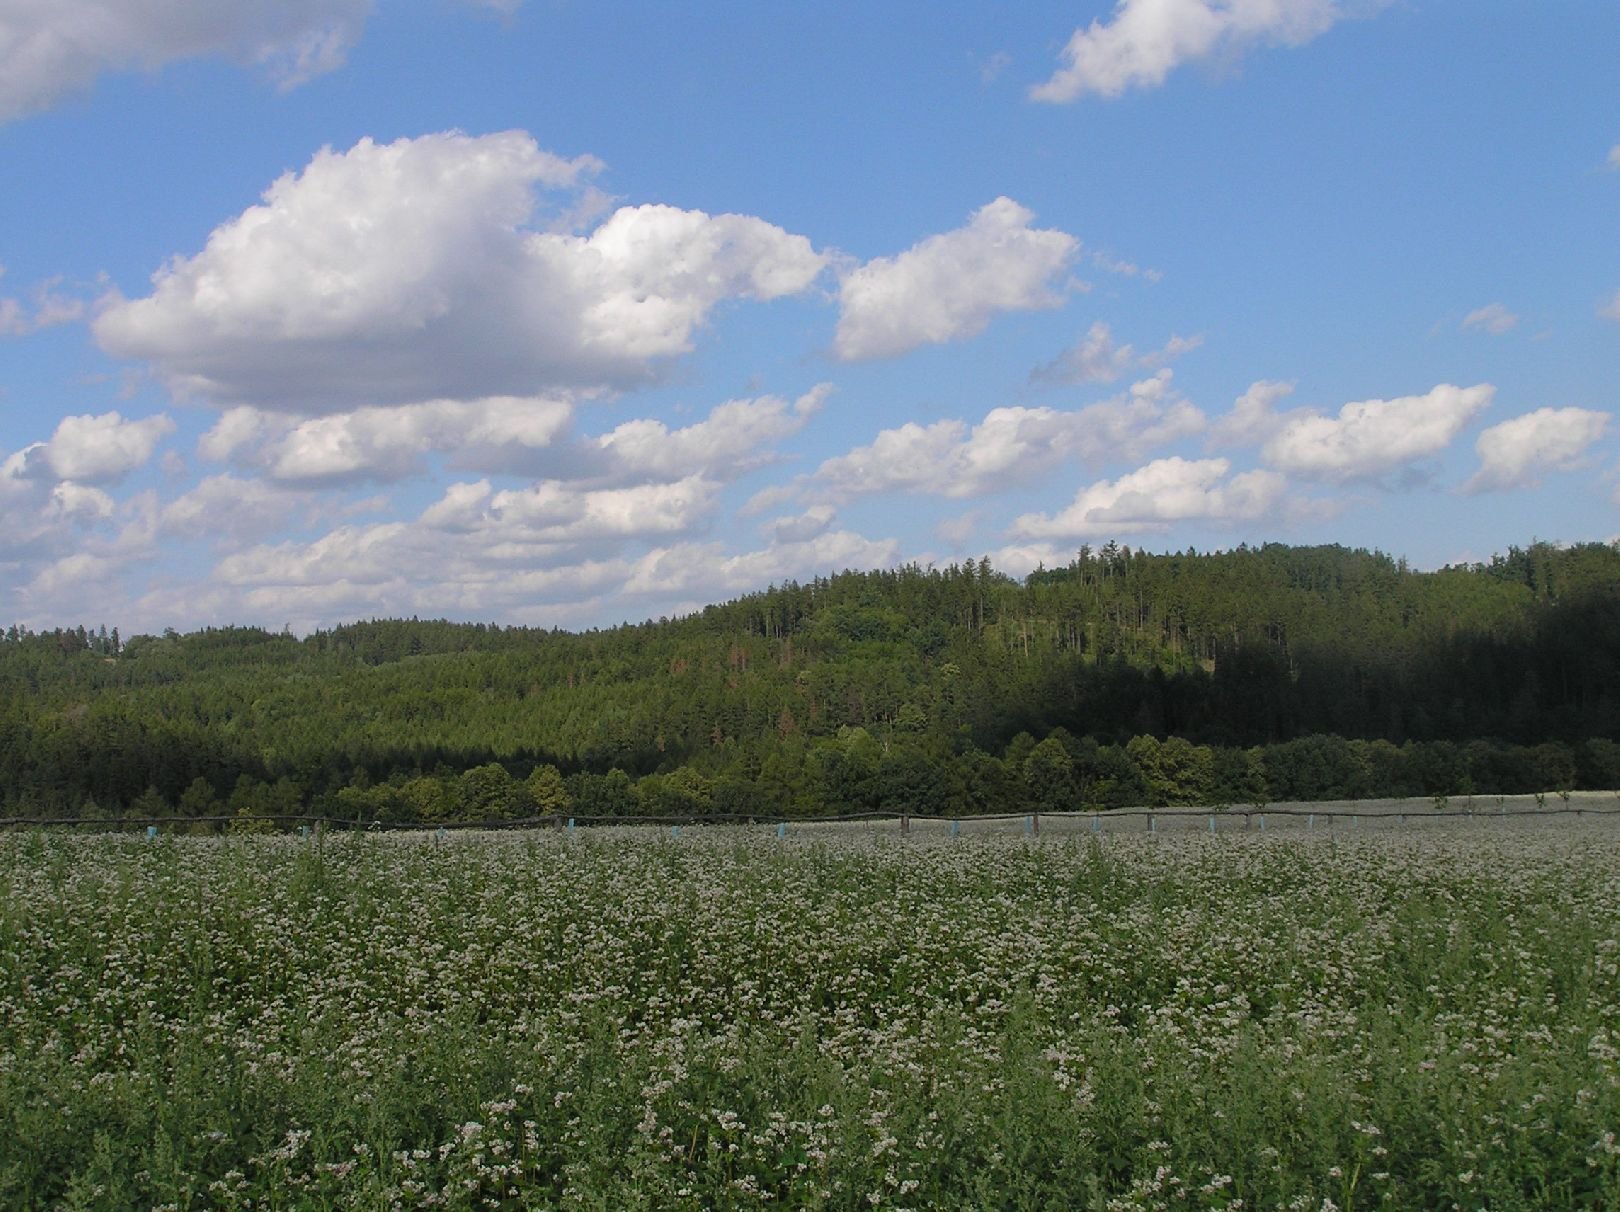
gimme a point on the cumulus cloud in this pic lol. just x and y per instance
(1096, 358)
(1493, 318)
(1012, 445)
(410, 271)
(1254, 416)
(948, 286)
(231, 510)
(95, 449)
(53, 48)
(550, 554)
(1164, 492)
(1372, 437)
(1148, 39)
(1517, 453)
(734, 438)
(43, 517)
(384, 443)
(802, 527)
(504, 434)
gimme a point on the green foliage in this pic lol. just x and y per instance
(1351, 674)
(1398, 1020)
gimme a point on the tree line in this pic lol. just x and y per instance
(1124, 677)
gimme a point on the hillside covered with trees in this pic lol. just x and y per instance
(1124, 678)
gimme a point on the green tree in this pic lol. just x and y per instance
(489, 793)
(1049, 784)
(548, 791)
(198, 799)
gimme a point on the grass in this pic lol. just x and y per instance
(725, 1020)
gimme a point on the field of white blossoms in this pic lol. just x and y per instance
(725, 1019)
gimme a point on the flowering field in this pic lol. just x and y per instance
(724, 1019)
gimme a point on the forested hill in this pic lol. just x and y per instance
(1123, 677)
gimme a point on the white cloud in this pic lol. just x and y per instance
(733, 439)
(802, 527)
(1012, 445)
(1254, 416)
(549, 555)
(1152, 498)
(43, 518)
(1611, 309)
(405, 272)
(1021, 559)
(51, 48)
(948, 286)
(1493, 318)
(1372, 437)
(1095, 358)
(552, 512)
(505, 435)
(50, 307)
(96, 449)
(231, 510)
(385, 443)
(1109, 263)
(703, 572)
(1517, 453)
(1614, 156)
(1147, 39)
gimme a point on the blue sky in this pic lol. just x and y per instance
(566, 314)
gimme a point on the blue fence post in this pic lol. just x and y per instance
(439, 836)
(303, 831)
(1153, 823)
(674, 831)
(570, 824)
(151, 833)
(1262, 822)
(1029, 826)
(1212, 822)
(781, 830)
(956, 828)
(1310, 822)
(1096, 823)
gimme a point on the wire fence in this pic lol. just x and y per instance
(1259, 818)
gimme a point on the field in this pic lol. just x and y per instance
(1298, 1020)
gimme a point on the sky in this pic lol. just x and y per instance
(571, 313)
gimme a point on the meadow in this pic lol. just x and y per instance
(725, 1019)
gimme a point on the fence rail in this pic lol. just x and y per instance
(1596, 804)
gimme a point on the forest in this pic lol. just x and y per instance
(1125, 678)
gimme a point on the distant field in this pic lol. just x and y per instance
(1401, 1018)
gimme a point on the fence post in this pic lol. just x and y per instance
(1310, 822)
(781, 830)
(905, 824)
(674, 831)
(1096, 823)
(1153, 823)
(1212, 822)
(1262, 822)
(151, 832)
(438, 836)
(570, 824)
(956, 828)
